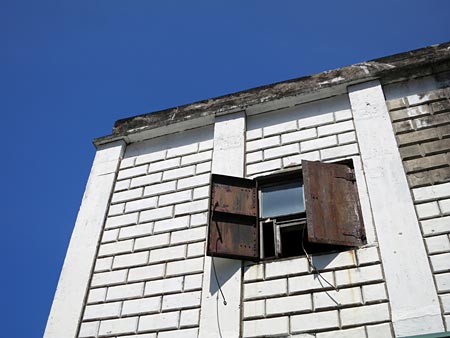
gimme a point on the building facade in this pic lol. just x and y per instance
(315, 207)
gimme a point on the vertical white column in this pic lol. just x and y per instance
(73, 284)
(412, 294)
(219, 320)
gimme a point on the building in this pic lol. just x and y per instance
(329, 196)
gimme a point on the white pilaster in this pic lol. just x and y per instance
(219, 320)
(413, 299)
(68, 302)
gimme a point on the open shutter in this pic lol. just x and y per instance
(233, 218)
(332, 205)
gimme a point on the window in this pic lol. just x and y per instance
(284, 215)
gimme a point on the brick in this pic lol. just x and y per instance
(286, 267)
(437, 244)
(436, 226)
(404, 126)
(289, 149)
(130, 260)
(396, 103)
(333, 299)
(115, 248)
(203, 168)
(118, 326)
(360, 275)
(151, 157)
(419, 179)
(441, 175)
(100, 311)
(89, 330)
(190, 235)
(298, 136)
(179, 173)
(187, 333)
(127, 162)
(171, 224)
(199, 219)
(256, 156)
(167, 320)
(110, 235)
(189, 318)
(427, 210)
(284, 305)
(141, 204)
(297, 159)
(143, 305)
(410, 152)
(357, 332)
(430, 148)
(263, 143)
(443, 282)
(314, 321)
(175, 198)
(164, 165)
(254, 309)
(347, 138)
(310, 282)
(167, 254)
(146, 273)
(444, 131)
(341, 151)
(316, 120)
(444, 206)
(445, 300)
(365, 314)
(440, 262)
(182, 150)
(410, 112)
(334, 260)
(197, 158)
(161, 188)
(156, 214)
(431, 193)
(319, 143)
(116, 209)
(368, 255)
(276, 287)
(148, 335)
(193, 282)
(151, 242)
(146, 180)
(132, 172)
(432, 120)
(280, 128)
(196, 249)
(103, 264)
(342, 115)
(426, 163)
(193, 265)
(254, 272)
(161, 286)
(335, 128)
(202, 192)
(379, 331)
(417, 136)
(190, 207)
(133, 231)
(205, 145)
(120, 221)
(253, 134)
(374, 293)
(125, 291)
(109, 278)
(96, 295)
(181, 300)
(263, 166)
(196, 181)
(266, 327)
(122, 185)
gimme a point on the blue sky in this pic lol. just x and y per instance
(69, 69)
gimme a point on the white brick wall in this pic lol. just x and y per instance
(150, 261)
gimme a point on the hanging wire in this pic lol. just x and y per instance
(219, 238)
(314, 269)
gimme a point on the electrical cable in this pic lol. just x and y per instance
(219, 237)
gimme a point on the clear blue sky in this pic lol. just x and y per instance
(69, 69)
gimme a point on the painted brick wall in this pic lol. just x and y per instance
(149, 271)
(283, 297)
(421, 123)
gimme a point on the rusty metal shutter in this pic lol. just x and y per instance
(332, 205)
(233, 218)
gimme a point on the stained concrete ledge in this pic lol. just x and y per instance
(387, 69)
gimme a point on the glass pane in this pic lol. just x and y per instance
(283, 199)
